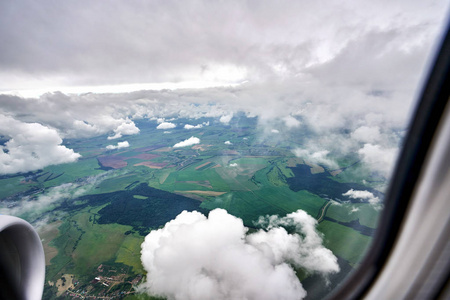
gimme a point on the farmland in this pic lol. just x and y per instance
(118, 196)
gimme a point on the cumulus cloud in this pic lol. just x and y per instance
(334, 202)
(363, 195)
(318, 157)
(367, 134)
(78, 116)
(225, 119)
(275, 131)
(228, 143)
(126, 128)
(31, 146)
(166, 125)
(120, 145)
(195, 257)
(291, 122)
(189, 142)
(233, 165)
(378, 158)
(309, 253)
(354, 209)
(188, 126)
(115, 136)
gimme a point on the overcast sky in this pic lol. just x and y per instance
(48, 44)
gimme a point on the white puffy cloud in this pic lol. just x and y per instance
(120, 145)
(79, 116)
(84, 129)
(291, 122)
(355, 194)
(275, 131)
(367, 134)
(195, 257)
(307, 252)
(188, 126)
(228, 143)
(225, 119)
(233, 165)
(115, 136)
(375, 202)
(317, 157)
(126, 128)
(31, 146)
(189, 142)
(334, 202)
(166, 125)
(354, 209)
(378, 158)
(363, 195)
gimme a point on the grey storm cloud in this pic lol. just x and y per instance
(92, 42)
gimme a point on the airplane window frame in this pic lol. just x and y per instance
(428, 113)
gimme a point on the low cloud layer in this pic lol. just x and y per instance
(31, 146)
(195, 257)
(189, 142)
(43, 201)
(120, 145)
(226, 118)
(166, 125)
(363, 195)
(379, 158)
(34, 207)
(317, 157)
(349, 83)
(188, 126)
(126, 128)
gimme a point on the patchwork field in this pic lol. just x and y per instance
(115, 197)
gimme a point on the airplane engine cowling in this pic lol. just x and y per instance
(22, 260)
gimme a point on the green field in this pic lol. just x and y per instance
(248, 180)
(365, 213)
(83, 245)
(344, 241)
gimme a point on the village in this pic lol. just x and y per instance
(107, 283)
